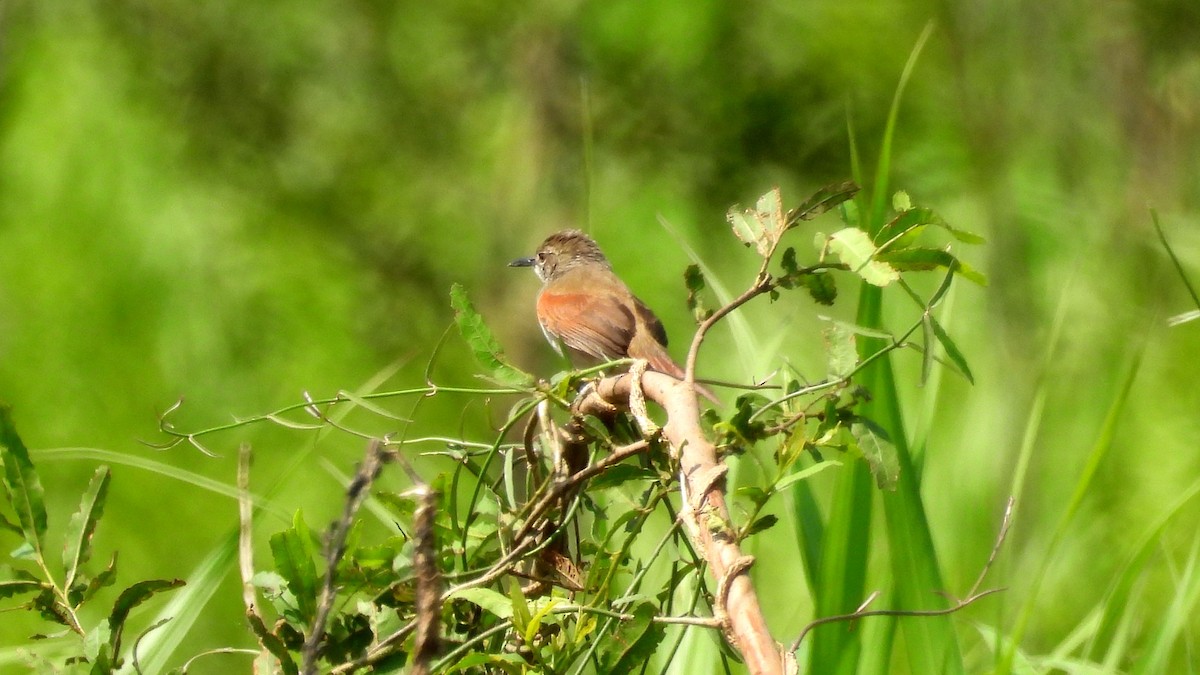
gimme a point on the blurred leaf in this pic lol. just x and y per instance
(901, 201)
(765, 523)
(928, 259)
(805, 473)
(22, 485)
(633, 643)
(508, 663)
(491, 601)
(294, 552)
(879, 453)
(483, 344)
(761, 226)
(693, 277)
(911, 222)
(105, 579)
(17, 586)
(82, 526)
(821, 286)
(952, 351)
(272, 643)
(619, 475)
(855, 248)
(822, 200)
(841, 350)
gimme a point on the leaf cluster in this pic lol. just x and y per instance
(59, 590)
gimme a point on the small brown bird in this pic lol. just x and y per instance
(585, 306)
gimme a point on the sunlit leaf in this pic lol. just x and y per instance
(483, 344)
(78, 546)
(761, 226)
(488, 600)
(806, 473)
(854, 247)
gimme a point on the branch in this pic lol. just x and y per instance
(704, 512)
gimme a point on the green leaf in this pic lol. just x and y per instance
(16, 586)
(488, 600)
(694, 279)
(21, 482)
(879, 453)
(765, 523)
(633, 643)
(78, 547)
(294, 552)
(483, 344)
(901, 201)
(854, 247)
(928, 259)
(823, 200)
(820, 286)
(272, 643)
(806, 473)
(952, 351)
(619, 475)
(842, 350)
(129, 599)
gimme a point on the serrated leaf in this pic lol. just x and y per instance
(855, 248)
(822, 200)
(21, 482)
(482, 342)
(129, 599)
(294, 554)
(488, 600)
(78, 547)
(878, 451)
(16, 586)
(761, 226)
(928, 259)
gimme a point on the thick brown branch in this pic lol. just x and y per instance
(704, 512)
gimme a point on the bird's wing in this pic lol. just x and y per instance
(598, 325)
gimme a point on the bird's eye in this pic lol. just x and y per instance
(541, 256)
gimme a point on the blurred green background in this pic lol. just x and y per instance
(240, 202)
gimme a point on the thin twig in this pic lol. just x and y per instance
(356, 493)
(973, 595)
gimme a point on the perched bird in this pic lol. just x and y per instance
(585, 306)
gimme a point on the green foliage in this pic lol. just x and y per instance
(62, 601)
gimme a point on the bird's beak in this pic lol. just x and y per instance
(522, 262)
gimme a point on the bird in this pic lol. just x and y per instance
(586, 308)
